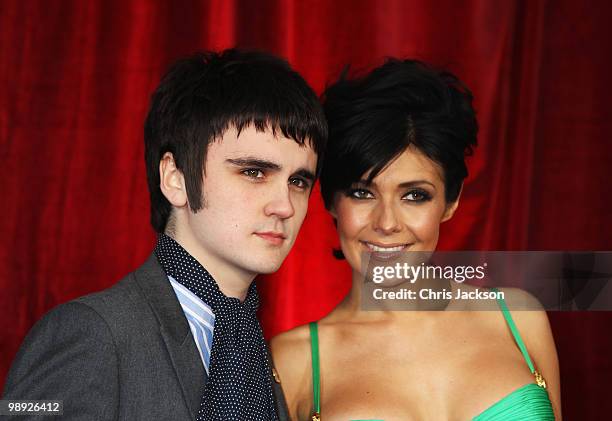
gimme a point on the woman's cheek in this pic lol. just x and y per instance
(427, 227)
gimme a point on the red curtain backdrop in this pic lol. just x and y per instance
(75, 81)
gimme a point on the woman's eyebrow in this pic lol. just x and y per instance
(415, 183)
(405, 184)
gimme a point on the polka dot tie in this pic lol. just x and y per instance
(239, 385)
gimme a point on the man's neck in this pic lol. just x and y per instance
(232, 281)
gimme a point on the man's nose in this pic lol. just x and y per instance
(280, 204)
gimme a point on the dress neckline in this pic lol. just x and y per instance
(536, 389)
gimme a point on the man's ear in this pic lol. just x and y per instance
(172, 181)
(452, 207)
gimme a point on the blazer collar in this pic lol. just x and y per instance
(174, 330)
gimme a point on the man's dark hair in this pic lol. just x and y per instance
(373, 119)
(204, 95)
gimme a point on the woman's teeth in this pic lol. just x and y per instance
(372, 247)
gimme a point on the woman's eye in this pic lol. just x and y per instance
(417, 196)
(361, 194)
(253, 173)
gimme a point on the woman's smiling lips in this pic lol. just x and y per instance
(385, 251)
(275, 238)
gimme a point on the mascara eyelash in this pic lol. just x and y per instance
(351, 193)
(425, 196)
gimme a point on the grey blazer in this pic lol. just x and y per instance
(124, 353)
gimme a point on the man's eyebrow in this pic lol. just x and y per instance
(254, 162)
(269, 165)
(307, 174)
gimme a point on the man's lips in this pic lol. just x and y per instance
(275, 238)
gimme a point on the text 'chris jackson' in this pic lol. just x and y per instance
(430, 294)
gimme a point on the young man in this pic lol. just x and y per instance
(231, 147)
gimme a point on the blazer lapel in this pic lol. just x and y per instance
(174, 331)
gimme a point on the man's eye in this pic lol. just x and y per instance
(417, 196)
(253, 173)
(360, 194)
(298, 182)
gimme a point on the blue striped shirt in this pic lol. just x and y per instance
(200, 317)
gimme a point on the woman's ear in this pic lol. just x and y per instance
(332, 207)
(332, 212)
(172, 181)
(452, 207)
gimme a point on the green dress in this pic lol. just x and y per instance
(527, 403)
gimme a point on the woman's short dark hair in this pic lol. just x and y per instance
(374, 119)
(203, 95)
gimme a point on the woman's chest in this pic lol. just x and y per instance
(422, 378)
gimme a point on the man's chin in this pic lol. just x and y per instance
(266, 267)
(266, 261)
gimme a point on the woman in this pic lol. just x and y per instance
(392, 174)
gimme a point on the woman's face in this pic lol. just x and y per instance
(401, 210)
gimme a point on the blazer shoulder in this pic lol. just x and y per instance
(121, 295)
(71, 345)
(130, 296)
(73, 318)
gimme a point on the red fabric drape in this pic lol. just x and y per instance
(75, 78)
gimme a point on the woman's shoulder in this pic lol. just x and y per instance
(527, 313)
(291, 351)
(292, 340)
(515, 299)
(520, 299)
(534, 328)
(292, 360)
(521, 308)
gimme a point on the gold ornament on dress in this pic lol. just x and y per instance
(316, 417)
(275, 375)
(539, 379)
